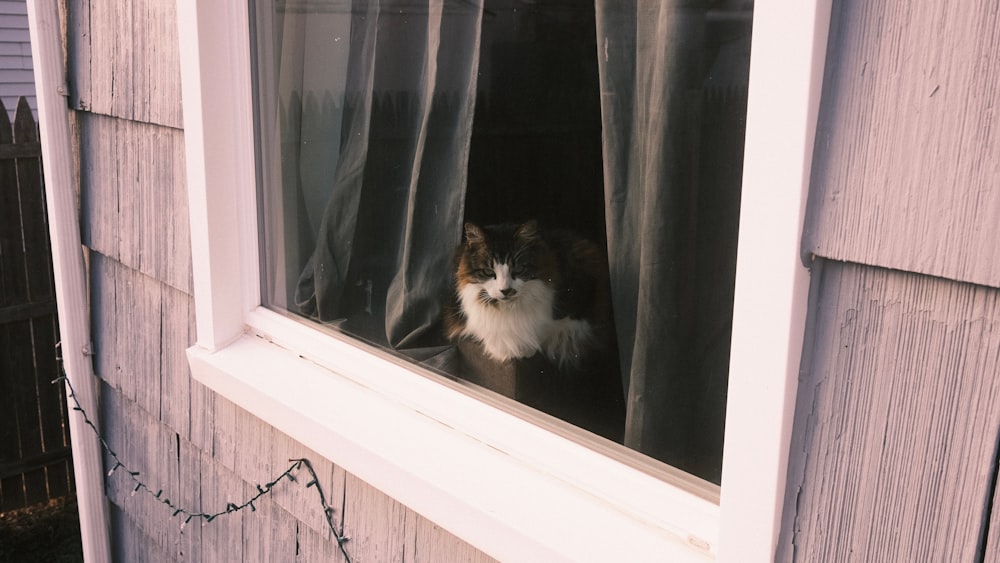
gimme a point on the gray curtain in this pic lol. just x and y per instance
(671, 176)
(396, 205)
(672, 81)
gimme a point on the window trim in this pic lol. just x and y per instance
(402, 431)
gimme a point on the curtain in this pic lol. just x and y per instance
(376, 178)
(395, 209)
(671, 207)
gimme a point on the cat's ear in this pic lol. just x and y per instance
(528, 232)
(474, 235)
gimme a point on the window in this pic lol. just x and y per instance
(380, 419)
(384, 126)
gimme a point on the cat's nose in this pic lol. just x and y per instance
(508, 292)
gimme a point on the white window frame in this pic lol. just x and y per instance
(519, 490)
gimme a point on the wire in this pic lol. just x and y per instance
(189, 515)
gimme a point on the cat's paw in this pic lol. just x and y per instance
(568, 341)
(507, 349)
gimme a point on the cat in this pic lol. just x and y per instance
(520, 291)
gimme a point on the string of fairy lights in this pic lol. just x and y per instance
(297, 465)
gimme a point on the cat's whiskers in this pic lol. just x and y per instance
(485, 299)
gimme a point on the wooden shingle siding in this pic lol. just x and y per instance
(907, 159)
(381, 529)
(151, 449)
(126, 331)
(429, 540)
(894, 453)
(176, 393)
(314, 547)
(141, 329)
(258, 453)
(894, 449)
(133, 196)
(273, 534)
(124, 60)
(222, 540)
(130, 544)
(378, 524)
(192, 478)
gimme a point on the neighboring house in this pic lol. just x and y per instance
(893, 440)
(16, 76)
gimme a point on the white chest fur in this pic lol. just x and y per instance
(513, 328)
(521, 326)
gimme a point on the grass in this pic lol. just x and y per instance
(47, 532)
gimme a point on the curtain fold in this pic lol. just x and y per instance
(382, 257)
(652, 64)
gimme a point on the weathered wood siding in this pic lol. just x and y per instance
(894, 453)
(124, 60)
(908, 159)
(895, 449)
(200, 448)
(16, 75)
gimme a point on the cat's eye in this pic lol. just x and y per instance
(485, 273)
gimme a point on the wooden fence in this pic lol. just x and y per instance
(35, 462)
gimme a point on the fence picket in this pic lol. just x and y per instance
(35, 462)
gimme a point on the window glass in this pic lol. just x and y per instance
(540, 197)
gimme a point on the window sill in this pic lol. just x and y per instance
(505, 485)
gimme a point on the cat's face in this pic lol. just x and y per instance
(497, 262)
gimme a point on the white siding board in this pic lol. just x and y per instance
(19, 50)
(13, 22)
(893, 449)
(13, 90)
(14, 30)
(20, 76)
(15, 67)
(14, 7)
(908, 158)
